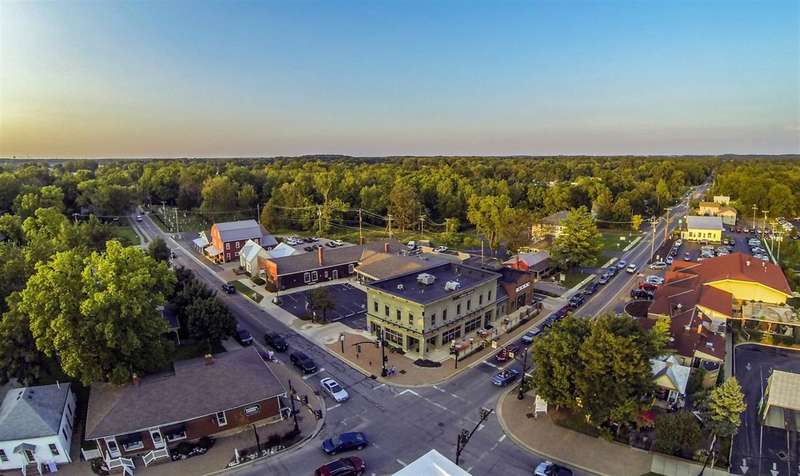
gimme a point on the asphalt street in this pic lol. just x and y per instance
(402, 424)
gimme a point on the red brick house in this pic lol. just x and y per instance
(228, 238)
(202, 397)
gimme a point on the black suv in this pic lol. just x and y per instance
(303, 362)
(228, 288)
(243, 337)
(276, 341)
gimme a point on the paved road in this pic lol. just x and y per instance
(402, 424)
(609, 295)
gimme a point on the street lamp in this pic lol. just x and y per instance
(521, 393)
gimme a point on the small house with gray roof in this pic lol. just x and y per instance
(200, 398)
(228, 239)
(36, 428)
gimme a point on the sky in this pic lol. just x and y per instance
(154, 78)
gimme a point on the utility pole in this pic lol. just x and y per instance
(754, 215)
(521, 394)
(465, 435)
(653, 222)
(319, 219)
(764, 229)
(389, 219)
(360, 232)
(294, 411)
(383, 354)
(666, 227)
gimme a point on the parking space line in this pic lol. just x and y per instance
(332, 407)
(401, 463)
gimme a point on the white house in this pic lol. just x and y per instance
(36, 427)
(249, 256)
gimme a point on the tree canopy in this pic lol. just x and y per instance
(579, 243)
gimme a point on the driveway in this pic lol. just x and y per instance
(760, 450)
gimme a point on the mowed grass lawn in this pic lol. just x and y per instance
(124, 234)
(612, 245)
(242, 288)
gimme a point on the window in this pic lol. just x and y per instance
(221, 420)
(53, 449)
(392, 336)
(350, 268)
(444, 314)
(64, 432)
(375, 305)
(458, 309)
(472, 325)
(386, 310)
(3, 456)
(227, 256)
(398, 314)
(451, 335)
(69, 411)
(227, 246)
(489, 295)
(480, 299)
(488, 316)
(469, 304)
(237, 245)
(252, 410)
(433, 319)
(314, 276)
(306, 277)
(410, 318)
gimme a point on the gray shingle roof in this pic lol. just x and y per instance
(194, 390)
(32, 412)
(413, 291)
(704, 223)
(243, 230)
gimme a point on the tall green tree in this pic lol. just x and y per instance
(579, 243)
(404, 205)
(725, 408)
(557, 362)
(219, 194)
(98, 314)
(676, 432)
(158, 250)
(209, 322)
(489, 215)
(19, 357)
(320, 301)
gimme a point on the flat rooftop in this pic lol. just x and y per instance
(407, 287)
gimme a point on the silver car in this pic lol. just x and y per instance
(332, 388)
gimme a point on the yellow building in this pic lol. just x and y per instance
(703, 229)
(708, 209)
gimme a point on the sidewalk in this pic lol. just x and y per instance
(222, 452)
(367, 357)
(545, 438)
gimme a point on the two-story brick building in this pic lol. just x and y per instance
(228, 239)
(423, 312)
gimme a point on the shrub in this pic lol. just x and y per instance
(258, 281)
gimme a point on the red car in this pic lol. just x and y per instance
(505, 353)
(351, 466)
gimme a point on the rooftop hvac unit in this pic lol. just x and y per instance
(451, 285)
(426, 278)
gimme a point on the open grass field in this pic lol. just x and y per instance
(124, 234)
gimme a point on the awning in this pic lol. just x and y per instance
(212, 251)
(201, 242)
(25, 447)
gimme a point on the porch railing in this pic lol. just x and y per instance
(154, 455)
(125, 463)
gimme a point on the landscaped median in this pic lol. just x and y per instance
(544, 437)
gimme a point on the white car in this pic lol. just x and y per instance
(338, 242)
(332, 388)
(654, 280)
(631, 268)
(658, 265)
(440, 249)
(678, 243)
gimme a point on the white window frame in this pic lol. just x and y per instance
(3, 456)
(237, 245)
(306, 277)
(227, 246)
(54, 449)
(114, 453)
(314, 276)
(221, 421)
(350, 268)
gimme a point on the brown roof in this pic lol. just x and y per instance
(741, 267)
(195, 389)
(709, 204)
(330, 257)
(690, 333)
(385, 265)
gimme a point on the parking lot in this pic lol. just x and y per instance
(757, 449)
(350, 304)
(693, 247)
(307, 244)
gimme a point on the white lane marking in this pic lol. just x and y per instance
(335, 406)
(502, 438)
(469, 470)
(439, 389)
(401, 463)
(490, 364)
(379, 386)
(458, 397)
(408, 390)
(306, 377)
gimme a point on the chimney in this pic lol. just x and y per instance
(321, 256)
(209, 359)
(135, 378)
(386, 247)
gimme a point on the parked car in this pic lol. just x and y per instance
(612, 271)
(308, 248)
(548, 468)
(339, 242)
(505, 377)
(640, 293)
(353, 440)
(603, 278)
(591, 288)
(507, 352)
(669, 260)
(229, 288)
(332, 388)
(658, 265)
(530, 335)
(678, 243)
(303, 362)
(655, 280)
(243, 337)
(139, 218)
(631, 268)
(276, 341)
(560, 313)
(330, 244)
(411, 244)
(621, 264)
(576, 301)
(440, 249)
(314, 239)
(649, 286)
(351, 466)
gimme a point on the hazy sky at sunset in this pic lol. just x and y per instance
(220, 78)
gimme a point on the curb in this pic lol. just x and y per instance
(499, 411)
(296, 446)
